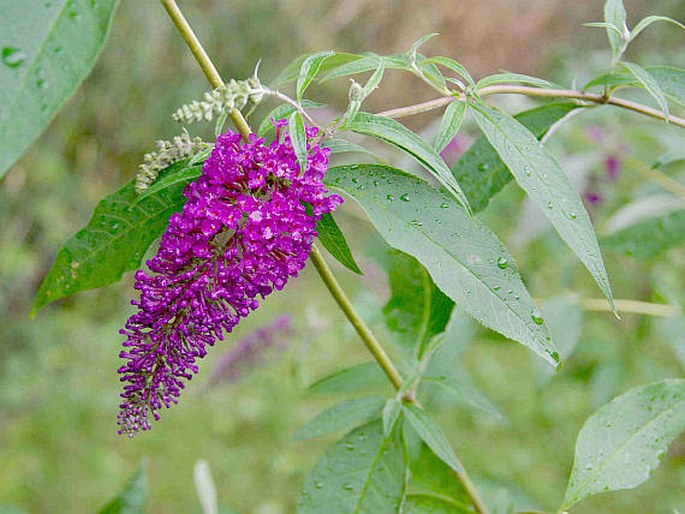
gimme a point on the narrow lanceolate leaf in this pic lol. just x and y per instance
(46, 52)
(480, 171)
(539, 174)
(401, 137)
(518, 78)
(281, 112)
(363, 473)
(342, 417)
(650, 237)
(417, 310)
(671, 81)
(465, 259)
(648, 20)
(339, 145)
(350, 380)
(623, 442)
(113, 242)
(133, 497)
(431, 434)
(649, 83)
(615, 14)
(367, 62)
(298, 138)
(292, 71)
(173, 177)
(310, 67)
(450, 124)
(333, 240)
(451, 65)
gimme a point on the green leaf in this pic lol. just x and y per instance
(175, 176)
(333, 240)
(416, 44)
(298, 138)
(650, 237)
(340, 145)
(648, 20)
(671, 81)
(603, 25)
(367, 62)
(431, 477)
(611, 80)
(391, 412)
(281, 112)
(343, 416)
(480, 171)
(133, 497)
(46, 53)
(615, 14)
(363, 473)
(113, 242)
(459, 252)
(451, 65)
(427, 504)
(292, 72)
(649, 83)
(431, 434)
(310, 67)
(350, 380)
(518, 78)
(398, 135)
(417, 310)
(466, 393)
(450, 124)
(539, 174)
(623, 442)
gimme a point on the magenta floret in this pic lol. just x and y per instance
(243, 232)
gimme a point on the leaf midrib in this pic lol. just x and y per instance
(622, 447)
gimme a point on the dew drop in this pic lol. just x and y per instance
(444, 206)
(390, 197)
(12, 57)
(549, 205)
(483, 166)
(536, 316)
(573, 215)
(502, 263)
(404, 197)
(355, 180)
(318, 484)
(375, 183)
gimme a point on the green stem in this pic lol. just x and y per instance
(504, 89)
(369, 339)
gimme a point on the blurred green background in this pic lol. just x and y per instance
(58, 383)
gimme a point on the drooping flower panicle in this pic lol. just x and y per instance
(243, 232)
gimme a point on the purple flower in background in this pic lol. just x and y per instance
(595, 133)
(593, 199)
(251, 349)
(242, 233)
(612, 166)
(456, 148)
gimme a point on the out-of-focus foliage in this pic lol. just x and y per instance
(58, 387)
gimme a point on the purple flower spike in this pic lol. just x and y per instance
(252, 349)
(242, 233)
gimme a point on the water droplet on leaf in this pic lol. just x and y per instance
(13, 57)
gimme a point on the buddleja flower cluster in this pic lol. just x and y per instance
(243, 232)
